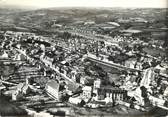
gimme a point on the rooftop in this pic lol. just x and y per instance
(88, 88)
(54, 84)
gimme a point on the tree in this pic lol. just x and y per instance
(65, 97)
(82, 103)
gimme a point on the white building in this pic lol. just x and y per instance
(156, 101)
(96, 85)
(52, 89)
(113, 23)
(16, 95)
(86, 92)
(137, 95)
(75, 100)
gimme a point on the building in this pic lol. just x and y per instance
(96, 104)
(156, 101)
(21, 89)
(137, 94)
(111, 94)
(52, 89)
(41, 114)
(42, 46)
(107, 93)
(75, 100)
(48, 61)
(2, 86)
(20, 57)
(73, 75)
(5, 55)
(166, 92)
(16, 95)
(97, 84)
(87, 92)
(130, 63)
(82, 80)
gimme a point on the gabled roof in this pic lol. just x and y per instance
(88, 88)
(22, 86)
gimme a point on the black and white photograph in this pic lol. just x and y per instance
(83, 58)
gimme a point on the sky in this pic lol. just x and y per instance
(87, 3)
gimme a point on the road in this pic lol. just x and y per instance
(9, 83)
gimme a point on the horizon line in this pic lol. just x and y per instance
(86, 3)
(94, 7)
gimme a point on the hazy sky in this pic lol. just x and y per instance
(87, 3)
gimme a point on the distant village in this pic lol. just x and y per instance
(82, 68)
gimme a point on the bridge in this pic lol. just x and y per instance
(108, 63)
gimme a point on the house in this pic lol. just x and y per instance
(52, 89)
(42, 46)
(48, 61)
(97, 84)
(156, 101)
(2, 86)
(23, 88)
(163, 69)
(16, 95)
(130, 62)
(87, 90)
(75, 100)
(18, 46)
(137, 94)
(20, 57)
(73, 74)
(5, 55)
(166, 92)
(82, 80)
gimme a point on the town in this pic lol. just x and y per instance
(81, 67)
